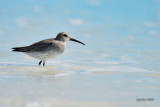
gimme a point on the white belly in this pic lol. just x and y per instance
(44, 55)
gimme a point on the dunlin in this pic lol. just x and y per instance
(47, 49)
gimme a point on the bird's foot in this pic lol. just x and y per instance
(43, 63)
(40, 62)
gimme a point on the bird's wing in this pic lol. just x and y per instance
(36, 47)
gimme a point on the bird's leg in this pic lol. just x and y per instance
(43, 63)
(40, 62)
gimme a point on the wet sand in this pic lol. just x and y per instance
(77, 86)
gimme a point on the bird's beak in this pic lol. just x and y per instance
(71, 39)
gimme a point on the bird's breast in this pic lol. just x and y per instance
(59, 47)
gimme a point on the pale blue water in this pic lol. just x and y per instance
(119, 64)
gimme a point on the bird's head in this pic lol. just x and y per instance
(63, 36)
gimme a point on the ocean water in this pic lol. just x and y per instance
(118, 67)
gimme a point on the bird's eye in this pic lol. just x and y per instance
(65, 35)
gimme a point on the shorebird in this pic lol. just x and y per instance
(48, 48)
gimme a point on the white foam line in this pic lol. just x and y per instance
(62, 74)
(115, 69)
(67, 73)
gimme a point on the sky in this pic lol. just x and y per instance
(115, 22)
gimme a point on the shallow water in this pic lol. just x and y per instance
(94, 79)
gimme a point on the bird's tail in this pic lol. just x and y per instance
(19, 49)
